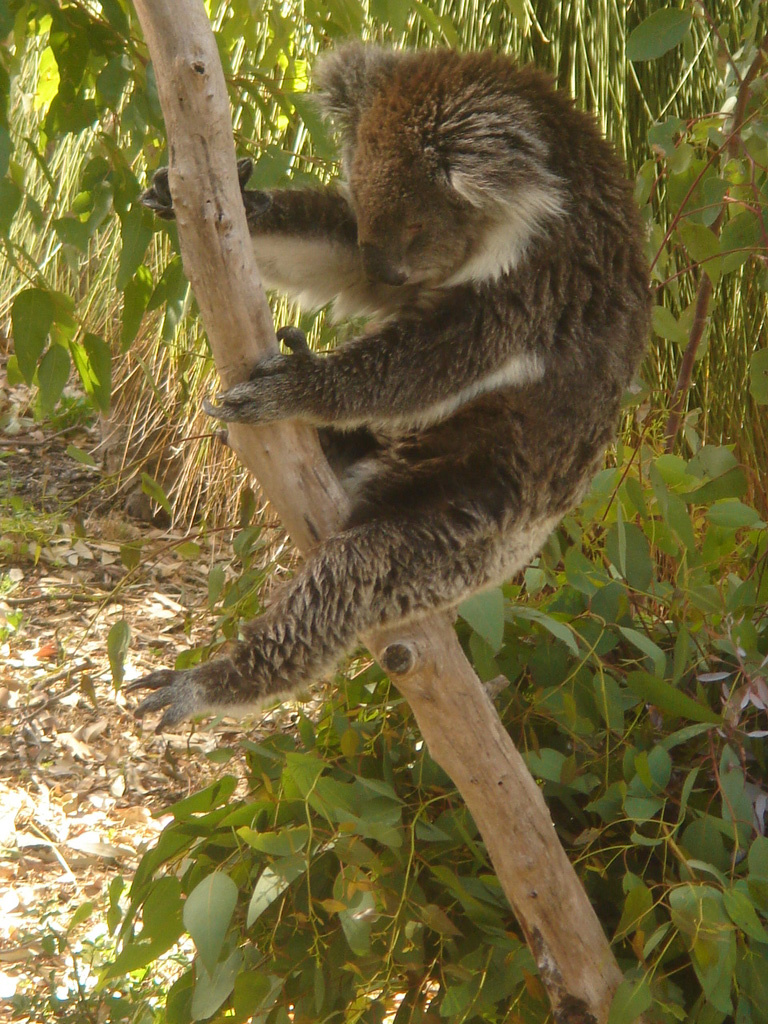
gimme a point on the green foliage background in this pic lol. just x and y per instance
(351, 882)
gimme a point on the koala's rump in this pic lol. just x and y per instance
(496, 460)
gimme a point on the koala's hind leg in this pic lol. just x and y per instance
(375, 573)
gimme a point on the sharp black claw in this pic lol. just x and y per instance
(244, 170)
(156, 679)
(293, 338)
(158, 196)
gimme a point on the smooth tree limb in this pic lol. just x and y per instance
(457, 719)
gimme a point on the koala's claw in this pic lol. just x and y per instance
(231, 406)
(268, 394)
(158, 196)
(175, 693)
(244, 170)
(293, 338)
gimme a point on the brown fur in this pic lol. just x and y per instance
(487, 229)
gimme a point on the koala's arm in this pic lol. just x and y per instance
(305, 243)
(406, 374)
(304, 239)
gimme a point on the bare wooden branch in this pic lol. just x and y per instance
(458, 721)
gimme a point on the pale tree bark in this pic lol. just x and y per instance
(456, 717)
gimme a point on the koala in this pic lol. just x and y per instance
(486, 230)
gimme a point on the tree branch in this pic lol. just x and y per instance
(458, 721)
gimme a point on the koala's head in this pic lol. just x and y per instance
(445, 163)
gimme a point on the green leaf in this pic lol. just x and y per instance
(672, 508)
(117, 646)
(136, 235)
(739, 239)
(647, 646)
(733, 514)
(703, 841)
(637, 905)
(757, 859)
(742, 912)
(665, 134)
(155, 491)
(100, 364)
(484, 612)
(178, 1006)
(436, 918)
(545, 763)
(278, 844)
(654, 769)
(73, 231)
(216, 578)
(758, 376)
(458, 999)
(52, 375)
(273, 881)
(736, 803)
(658, 34)
(357, 920)
(207, 913)
(84, 458)
(631, 999)
(6, 146)
(10, 198)
(32, 315)
(731, 484)
(704, 248)
(636, 566)
(135, 298)
(557, 629)
(666, 325)
(300, 774)
(130, 554)
(669, 699)
(211, 989)
(206, 800)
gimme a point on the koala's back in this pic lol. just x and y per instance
(580, 284)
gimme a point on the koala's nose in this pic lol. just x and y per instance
(379, 268)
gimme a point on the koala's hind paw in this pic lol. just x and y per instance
(177, 694)
(187, 692)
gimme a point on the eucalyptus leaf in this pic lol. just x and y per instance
(207, 913)
(118, 639)
(662, 31)
(32, 316)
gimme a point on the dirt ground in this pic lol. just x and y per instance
(81, 780)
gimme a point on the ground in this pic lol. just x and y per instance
(83, 784)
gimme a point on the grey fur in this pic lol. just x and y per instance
(487, 229)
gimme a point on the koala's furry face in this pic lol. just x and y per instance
(402, 206)
(449, 176)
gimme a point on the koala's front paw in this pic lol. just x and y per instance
(275, 391)
(256, 202)
(158, 196)
(188, 692)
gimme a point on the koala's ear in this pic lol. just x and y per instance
(346, 79)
